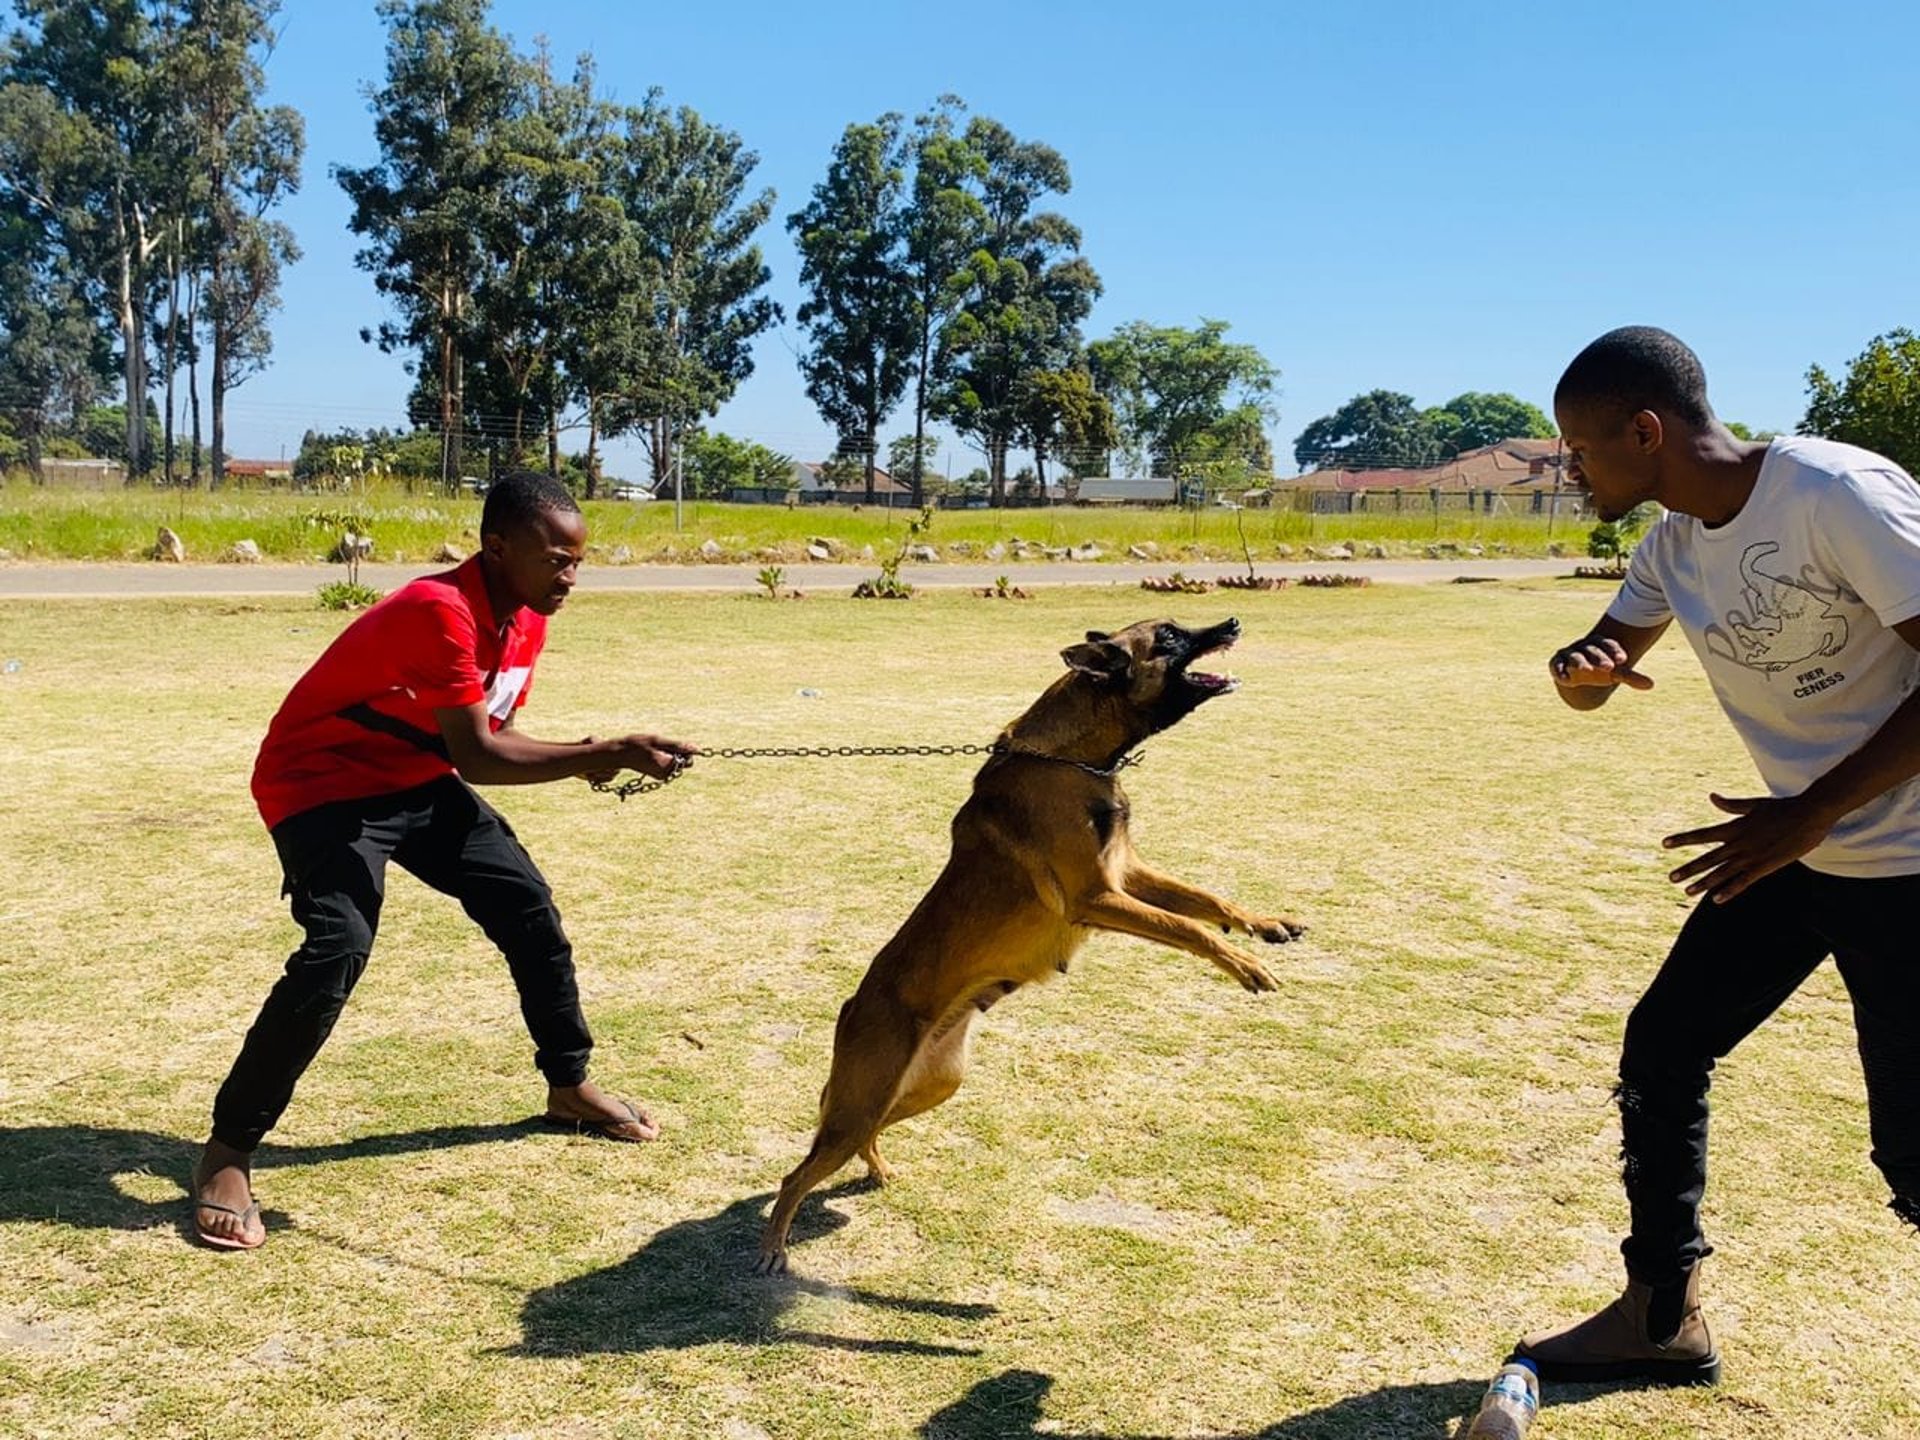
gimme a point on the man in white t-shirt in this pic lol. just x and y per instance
(1793, 569)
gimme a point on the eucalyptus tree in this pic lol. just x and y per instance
(246, 158)
(85, 148)
(860, 316)
(451, 86)
(944, 221)
(684, 186)
(1027, 289)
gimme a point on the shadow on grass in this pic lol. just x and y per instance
(1009, 1407)
(693, 1284)
(65, 1173)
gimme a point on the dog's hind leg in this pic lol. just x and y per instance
(872, 1052)
(935, 1074)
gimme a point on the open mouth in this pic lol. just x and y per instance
(1221, 638)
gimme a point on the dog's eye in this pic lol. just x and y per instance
(1166, 639)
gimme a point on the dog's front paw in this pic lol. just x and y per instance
(1249, 972)
(1278, 929)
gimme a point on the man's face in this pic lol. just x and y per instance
(1614, 460)
(540, 562)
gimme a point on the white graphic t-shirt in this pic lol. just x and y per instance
(1789, 607)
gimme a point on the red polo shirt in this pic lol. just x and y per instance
(360, 722)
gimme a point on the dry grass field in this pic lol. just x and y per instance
(1160, 1207)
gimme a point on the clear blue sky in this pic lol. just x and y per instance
(1425, 197)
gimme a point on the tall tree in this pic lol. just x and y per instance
(248, 156)
(860, 315)
(1027, 290)
(943, 223)
(683, 184)
(86, 137)
(1876, 404)
(450, 88)
(1186, 398)
(55, 357)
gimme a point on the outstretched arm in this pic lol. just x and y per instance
(484, 756)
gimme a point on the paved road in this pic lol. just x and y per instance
(20, 581)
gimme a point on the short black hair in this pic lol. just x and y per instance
(519, 497)
(1635, 368)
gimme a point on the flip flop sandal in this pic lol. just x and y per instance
(605, 1129)
(225, 1242)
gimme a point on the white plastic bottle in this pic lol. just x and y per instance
(1511, 1402)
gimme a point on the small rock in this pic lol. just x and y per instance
(169, 547)
(447, 554)
(926, 554)
(816, 550)
(710, 549)
(1145, 550)
(1376, 552)
(622, 555)
(242, 552)
(1476, 550)
(866, 552)
(1085, 551)
(1556, 551)
(996, 551)
(1285, 552)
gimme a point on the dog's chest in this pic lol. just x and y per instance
(1108, 816)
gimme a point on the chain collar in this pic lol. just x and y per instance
(643, 784)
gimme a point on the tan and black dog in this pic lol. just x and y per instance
(1040, 857)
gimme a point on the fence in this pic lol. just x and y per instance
(1539, 500)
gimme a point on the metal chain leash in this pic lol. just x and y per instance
(644, 784)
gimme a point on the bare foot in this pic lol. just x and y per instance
(225, 1214)
(587, 1107)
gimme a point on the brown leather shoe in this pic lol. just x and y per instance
(1615, 1345)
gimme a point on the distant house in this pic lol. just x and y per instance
(1131, 490)
(811, 479)
(269, 472)
(1490, 467)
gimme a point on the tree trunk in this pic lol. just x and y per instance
(997, 468)
(221, 340)
(553, 444)
(173, 347)
(920, 413)
(593, 447)
(873, 462)
(193, 378)
(130, 338)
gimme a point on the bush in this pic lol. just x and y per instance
(347, 595)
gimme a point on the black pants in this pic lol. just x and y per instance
(1732, 966)
(335, 861)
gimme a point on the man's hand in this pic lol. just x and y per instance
(1765, 836)
(655, 756)
(652, 755)
(1595, 662)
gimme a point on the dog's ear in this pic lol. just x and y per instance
(1094, 637)
(1099, 657)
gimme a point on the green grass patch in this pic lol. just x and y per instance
(1159, 1207)
(50, 523)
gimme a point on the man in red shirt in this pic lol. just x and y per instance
(368, 760)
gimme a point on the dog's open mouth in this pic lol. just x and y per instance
(1206, 680)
